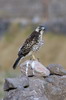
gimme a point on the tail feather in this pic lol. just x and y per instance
(16, 62)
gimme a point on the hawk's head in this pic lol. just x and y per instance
(40, 29)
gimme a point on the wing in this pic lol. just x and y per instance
(28, 45)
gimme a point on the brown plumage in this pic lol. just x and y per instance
(31, 42)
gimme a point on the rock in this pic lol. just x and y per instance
(34, 67)
(52, 87)
(56, 87)
(13, 83)
(56, 69)
(40, 69)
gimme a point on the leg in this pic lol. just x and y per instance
(33, 57)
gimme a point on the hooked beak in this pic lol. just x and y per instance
(42, 27)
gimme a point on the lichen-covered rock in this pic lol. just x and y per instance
(13, 83)
(56, 69)
(52, 87)
(34, 67)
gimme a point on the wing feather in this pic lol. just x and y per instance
(28, 45)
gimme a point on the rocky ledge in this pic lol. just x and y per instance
(52, 87)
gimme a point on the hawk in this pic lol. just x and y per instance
(32, 43)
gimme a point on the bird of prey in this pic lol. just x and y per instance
(32, 43)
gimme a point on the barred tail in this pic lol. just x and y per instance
(16, 62)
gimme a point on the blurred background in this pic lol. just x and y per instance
(18, 18)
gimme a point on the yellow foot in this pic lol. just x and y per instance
(33, 57)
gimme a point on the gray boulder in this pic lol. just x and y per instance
(52, 87)
(56, 69)
(13, 83)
